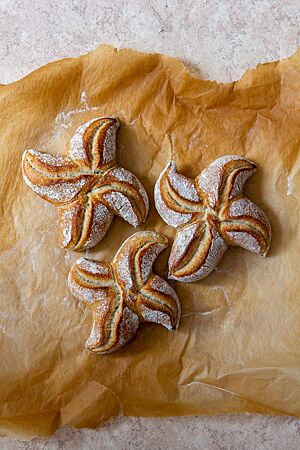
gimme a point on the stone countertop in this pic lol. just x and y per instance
(217, 39)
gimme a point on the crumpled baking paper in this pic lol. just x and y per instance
(238, 345)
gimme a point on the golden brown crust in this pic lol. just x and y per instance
(93, 145)
(196, 251)
(210, 213)
(55, 179)
(245, 225)
(125, 293)
(87, 185)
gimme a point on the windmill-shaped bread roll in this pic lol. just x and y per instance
(209, 214)
(87, 185)
(125, 293)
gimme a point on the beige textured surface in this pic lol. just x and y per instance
(220, 39)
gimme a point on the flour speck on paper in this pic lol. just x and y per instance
(64, 118)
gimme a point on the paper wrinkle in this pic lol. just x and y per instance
(237, 348)
(234, 394)
(195, 313)
(291, 176)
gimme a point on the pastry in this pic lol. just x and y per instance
(209, 214)
(87, 185)
(124, 293)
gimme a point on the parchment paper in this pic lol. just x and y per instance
(238, 345)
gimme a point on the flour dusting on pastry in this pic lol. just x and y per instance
(209, 214)
(87, 185)
(125, 293)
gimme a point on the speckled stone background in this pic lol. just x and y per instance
(217, 39)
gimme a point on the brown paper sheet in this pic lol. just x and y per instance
(238, 345)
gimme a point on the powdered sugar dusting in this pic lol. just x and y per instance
(147, 242)
(213, 211)
(181, 243)
(150, 315)
(239, 182)
(220, 162)
(77, 151)
(245, 240)
(59, 192)
(124, 175)
(51, 160)
(122, 322)
(109, 149)
(209, 182)
(85, 294)
(162, 286)
(101, 220)
(123, 267)
(245, 207)
(62, 188)
(159, 284)
(94, 267)
(173, 218)
(125, 326)
(215, 253)
(128, 326)
(148, 260)
(95, 337)
(184, 186)
(66, 225)
(122, 206)
(210, 178)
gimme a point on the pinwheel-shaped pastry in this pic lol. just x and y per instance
(87, 185)
(124, 293)
(210, 213)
